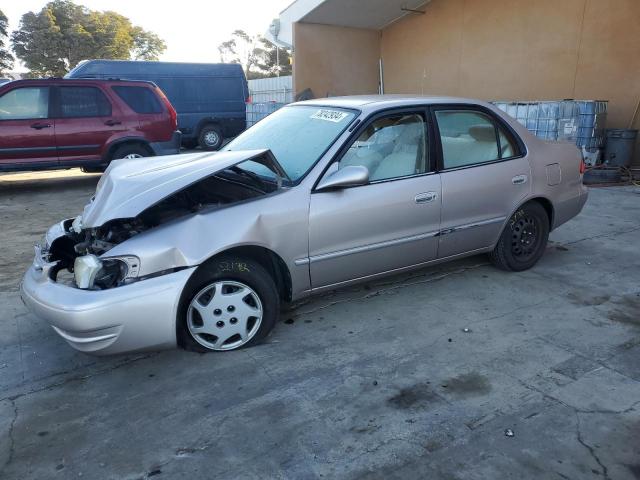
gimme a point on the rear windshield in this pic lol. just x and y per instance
(296, 135)
(139, 99)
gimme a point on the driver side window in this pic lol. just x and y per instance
(390, 147)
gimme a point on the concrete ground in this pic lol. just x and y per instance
(380, 381)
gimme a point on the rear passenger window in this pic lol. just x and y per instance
(83, 102)
(470, 138)
(506, 145)
(139, 99)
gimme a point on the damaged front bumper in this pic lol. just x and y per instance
(138, 316)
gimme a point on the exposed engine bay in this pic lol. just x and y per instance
(78, 250)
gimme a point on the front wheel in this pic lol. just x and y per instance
(231, 303)
(523, 240)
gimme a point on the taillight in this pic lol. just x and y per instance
(583, 167)
(170, 109)
(249, 99)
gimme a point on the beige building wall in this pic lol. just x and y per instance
(520, 49)
(334, 61)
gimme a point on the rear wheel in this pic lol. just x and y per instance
(210, 137)
(231, 303)
(523, 240)
(130, 151)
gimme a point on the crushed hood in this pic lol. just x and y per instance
(130, 186)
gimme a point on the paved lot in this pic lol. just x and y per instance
(378, 381)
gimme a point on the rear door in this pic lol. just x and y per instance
(86, 120)
(26, 129)
(154, 121)
(485, 176)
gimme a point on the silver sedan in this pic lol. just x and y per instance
(200, 250)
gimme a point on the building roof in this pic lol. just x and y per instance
(373, 14)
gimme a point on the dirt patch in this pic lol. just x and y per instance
(30, 202)
(417, 396)
(627, 311)
(587, 300)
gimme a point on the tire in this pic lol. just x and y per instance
(210, 325)
(210, 138)
(523, 239)
(130, 151)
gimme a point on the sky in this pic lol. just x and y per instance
(192, 29)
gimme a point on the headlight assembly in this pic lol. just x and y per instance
(93, 273)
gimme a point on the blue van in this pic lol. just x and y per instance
(209, 97)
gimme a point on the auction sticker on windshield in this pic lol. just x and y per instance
(335, 116)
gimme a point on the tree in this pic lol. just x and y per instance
(275, 61)
(6, 59)
(62, 34)
(256, 54)
(146, 45)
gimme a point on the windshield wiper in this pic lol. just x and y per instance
(257, 181)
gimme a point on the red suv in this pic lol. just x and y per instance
(59, 123)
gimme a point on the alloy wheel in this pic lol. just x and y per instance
(211, 138)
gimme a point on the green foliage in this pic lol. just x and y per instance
(146, 45)
(256, 54)
(6, 59)
(62, 34)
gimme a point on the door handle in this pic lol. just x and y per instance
(40, 126)
(111, 123)
(425, 197)
(519, 179)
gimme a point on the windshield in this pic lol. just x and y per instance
(296, 135)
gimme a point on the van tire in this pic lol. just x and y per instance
(210, 138)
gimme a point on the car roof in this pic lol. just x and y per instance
(385, 101)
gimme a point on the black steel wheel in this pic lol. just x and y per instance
(523, 239)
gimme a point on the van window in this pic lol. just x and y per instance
(25, 103)
(139, 99)
(83, 102)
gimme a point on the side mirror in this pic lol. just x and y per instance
(350, 176)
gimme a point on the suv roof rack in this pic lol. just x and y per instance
(110, 79)
(95, 77)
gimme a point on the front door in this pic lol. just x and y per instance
(86, 121)
(390, 223)
(485, 176)
(26, 129)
